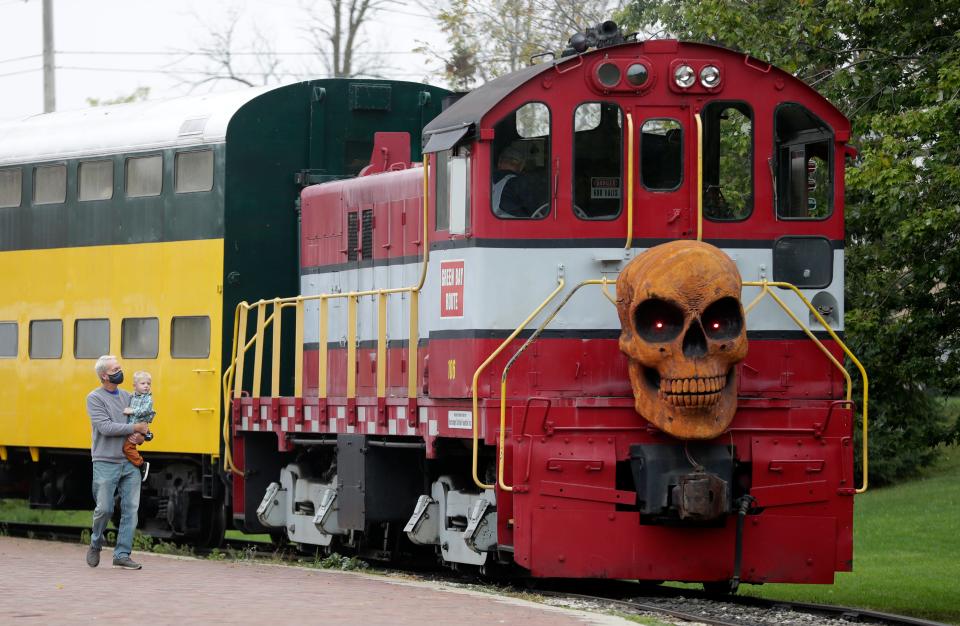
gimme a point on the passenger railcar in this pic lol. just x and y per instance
(462, 381)
(134, 230)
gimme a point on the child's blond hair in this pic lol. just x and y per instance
(142, 375)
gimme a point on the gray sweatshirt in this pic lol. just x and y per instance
(110, 427)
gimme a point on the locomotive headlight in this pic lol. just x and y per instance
(684, 76)
(710, 76)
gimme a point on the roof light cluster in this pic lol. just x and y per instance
(684, 76)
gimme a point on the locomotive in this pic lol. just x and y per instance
(467, 385)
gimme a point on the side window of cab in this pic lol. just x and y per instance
(804, 164)
(520, 182)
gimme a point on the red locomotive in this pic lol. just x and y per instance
(464, 377)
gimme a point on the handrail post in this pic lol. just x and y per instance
(241, 342)
(275, 373)
(629, 243)
(298, 352)
(351, 347)
(382, 346)
(322, 351)
(257, 387)
(699, 177)
(412, 354)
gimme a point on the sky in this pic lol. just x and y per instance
(109, 48)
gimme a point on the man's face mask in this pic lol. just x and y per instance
(116, 378)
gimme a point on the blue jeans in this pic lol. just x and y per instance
(107, 479)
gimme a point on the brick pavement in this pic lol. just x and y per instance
(44, 582)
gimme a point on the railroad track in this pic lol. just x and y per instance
(689, 605)
(685, 605)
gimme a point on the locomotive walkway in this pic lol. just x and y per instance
(45, 582)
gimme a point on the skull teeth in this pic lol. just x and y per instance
(692, 392)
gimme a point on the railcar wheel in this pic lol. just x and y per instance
(214, 524)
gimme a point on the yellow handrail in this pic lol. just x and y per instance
(699, 177)
(629, 243)
(503, 379)
(234, 371)
(483, 366)
(765, 289)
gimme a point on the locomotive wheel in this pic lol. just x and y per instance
(717, 588)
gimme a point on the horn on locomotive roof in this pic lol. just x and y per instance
(600, 36)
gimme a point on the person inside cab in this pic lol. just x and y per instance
(514, 194)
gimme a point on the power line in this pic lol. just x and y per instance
(207, 52)
(36, 69)
(200, 72)
(15, 59)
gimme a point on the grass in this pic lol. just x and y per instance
(906, 550)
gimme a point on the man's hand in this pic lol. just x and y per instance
(141, 427)
(136, 439)
(128, 411)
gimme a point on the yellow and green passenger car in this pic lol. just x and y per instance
(134, 230)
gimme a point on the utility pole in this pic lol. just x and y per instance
(49, 82)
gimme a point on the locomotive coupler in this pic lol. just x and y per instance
(686, 484)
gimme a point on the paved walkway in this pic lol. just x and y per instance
(44, 582)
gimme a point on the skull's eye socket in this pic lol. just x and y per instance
(658, 321)
(722, 319)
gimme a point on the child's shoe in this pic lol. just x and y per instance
(144, 471)
(148, 436)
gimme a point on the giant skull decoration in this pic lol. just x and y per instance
(683, 331)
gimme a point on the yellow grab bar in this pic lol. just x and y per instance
(503, 379)
(629, 243)
(765, 289)
(483, 366)
(699, 177)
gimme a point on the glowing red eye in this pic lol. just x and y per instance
(659, 325)
(716, 325)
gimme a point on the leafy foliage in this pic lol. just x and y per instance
(893, 67)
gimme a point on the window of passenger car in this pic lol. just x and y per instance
(8, 340)
(661, 154)
(144, 176)
(727, 160)
(194, 171)
(46, 339)
(597, 156)
(190, 337)
(11, 187)
(520, 182)
(91, 338)
(804, 168)
(49, 184)
(140, 338)
(96, 182)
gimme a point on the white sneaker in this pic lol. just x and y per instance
(144, 471)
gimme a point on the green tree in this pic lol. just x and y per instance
(137, 95)
(893, 67)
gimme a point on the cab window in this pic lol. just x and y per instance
(520, 184)
(661, 154)
(727, 160)
(804, 172)
(597, 155)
